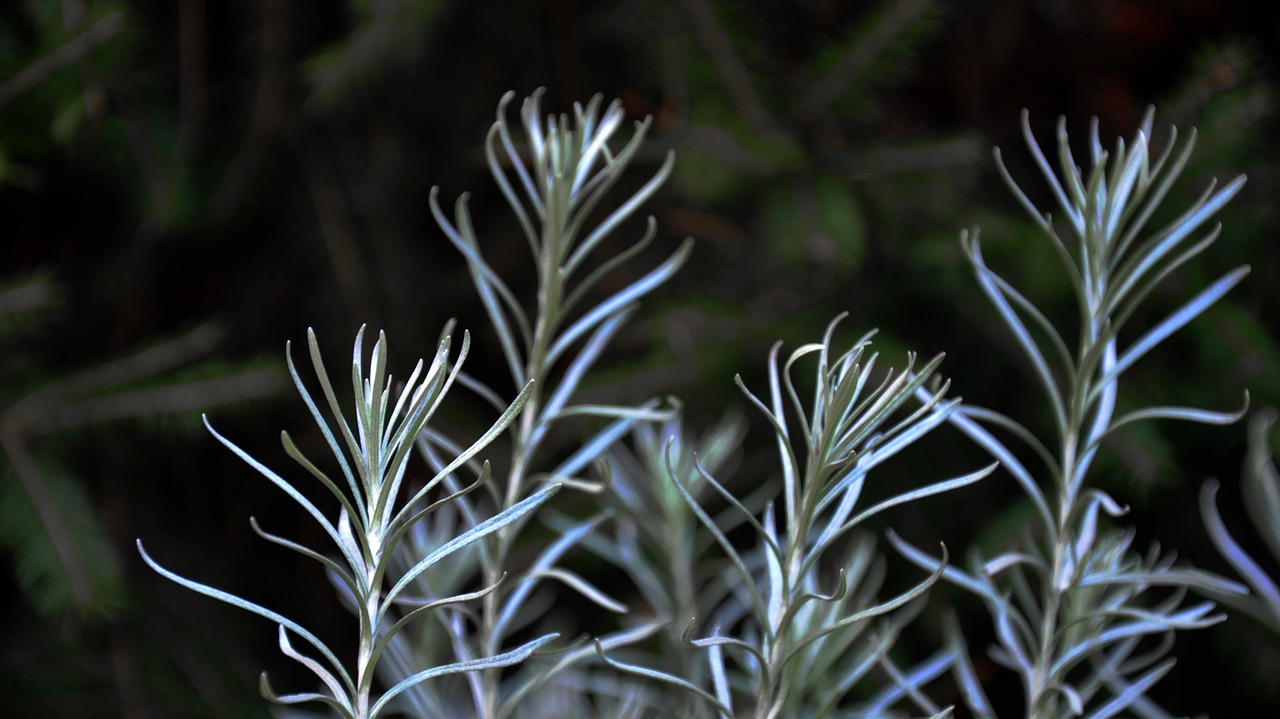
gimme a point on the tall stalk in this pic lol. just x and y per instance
(558, 187)
(1074, 604)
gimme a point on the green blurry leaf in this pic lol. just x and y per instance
(42, 577)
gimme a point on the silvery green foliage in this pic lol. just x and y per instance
(1073, 606)
(372, 523)
(1261, 488)
(391, 567)
(554, 191)
(791, 623)
(789, 637)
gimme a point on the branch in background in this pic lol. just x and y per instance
(69, 53)
(169, 399)
(84, 399)
(193, 96)
(828, 88)
(51, 515)
(334, 219)
(268, 110)
(886, 159)
(729, 65)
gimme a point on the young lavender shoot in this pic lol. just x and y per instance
(372, 521)
(1073, 605)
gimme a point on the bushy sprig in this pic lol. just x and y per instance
(559, 186)
(372, 453)
(787, 637)
(1072, 606)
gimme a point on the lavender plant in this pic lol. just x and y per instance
(788, 636)
(450, 592)
(1073, 604)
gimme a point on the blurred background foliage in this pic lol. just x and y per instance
(185, 185)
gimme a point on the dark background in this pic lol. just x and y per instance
(203, 180)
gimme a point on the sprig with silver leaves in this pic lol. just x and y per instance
(791, 637)
(1073, 605)
(556, 188)
(372, 452)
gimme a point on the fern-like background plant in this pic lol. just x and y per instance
(261, 168)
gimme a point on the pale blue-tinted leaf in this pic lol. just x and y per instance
(390, 634)
(1141, 705)
(1180, 577)
(1262, 482)
(1010, 640)
(1172, 324)
(345, 576)
(844, 488)
(966, 676)
(960, 419)
(504, 185)
(493, 524)
(779, 589)
(352, 559)
(593, 278)
(1077, 221)
(624, 211)
(356, 510)
(1147, 257)
(1020, 332)
(323, 425)
(584, 588)
(949, 572)
(618, 301)
(770, 539)
(1118, 198)
(506, 659)
(663, 677)
(1163, 175)
(493, 292)
(1233, 552)
(592, 449)
(748, 580)
(1132, 692)
(466, 455)
(1120, 310)
(1188, 618)
(583, 362)
(249, 606)
(535, 137)
(325, 676)
(540, 676)
(268, 693)
(546, 560)
(909, 683)
(1186, 414)
(335, 407)
(719, 679)
(716, 641)
(872, 611)
(1046, 327)
(926, 491)
(639, 414)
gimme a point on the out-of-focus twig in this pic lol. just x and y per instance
(193, 97)
(51, 515)
(334, 218)
(169, 399)
(896, 17)
(69, 53)
(268, 109)
(732, 70)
